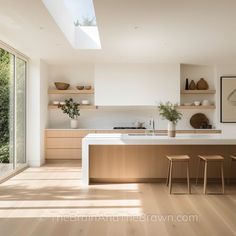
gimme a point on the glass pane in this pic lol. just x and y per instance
(82, 12)
(6, 112)
(20, 111)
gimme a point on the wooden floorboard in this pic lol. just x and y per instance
(51, 200)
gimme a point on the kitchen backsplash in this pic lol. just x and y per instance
(108, 117)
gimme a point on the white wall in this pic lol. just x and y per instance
(43, 106)
(136, 84)
(33, 114)
(74, 74)
(37, 111)
(104, 117)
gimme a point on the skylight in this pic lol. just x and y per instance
(77, 20)
(82, 12)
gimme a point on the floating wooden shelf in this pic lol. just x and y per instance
(70, 91)
(197, 107)
(50, 106)
(197, 91)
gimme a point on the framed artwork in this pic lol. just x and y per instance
(228, 99)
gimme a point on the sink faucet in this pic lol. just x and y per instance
(152, 124)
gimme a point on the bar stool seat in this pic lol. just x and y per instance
(178, 157)
(207, 159)
(233, 157)
(172, 159)
(211, 158)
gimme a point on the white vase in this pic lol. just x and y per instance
(171, 129)
(74, 123)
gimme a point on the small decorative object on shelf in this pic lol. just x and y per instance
(186, 84)
(71, 108)
(202, 84)
(205, 103)
(169, 112)
(87, 87)
(62, 86)
(197, 103)
(85, 102)
(200, 121)
(192, 85)
(80, 87)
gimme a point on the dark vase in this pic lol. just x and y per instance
(186, 84)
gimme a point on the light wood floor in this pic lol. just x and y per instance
(52, 201)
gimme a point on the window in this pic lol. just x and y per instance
(13, 71)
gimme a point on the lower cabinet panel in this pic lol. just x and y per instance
(63, 154)
(147, 163)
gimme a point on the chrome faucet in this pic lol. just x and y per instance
(152, 124)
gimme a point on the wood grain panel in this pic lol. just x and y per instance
(63, 143)
(67, 133)
(63, 154)
(149, 161)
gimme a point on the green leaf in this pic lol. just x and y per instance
(169, 112)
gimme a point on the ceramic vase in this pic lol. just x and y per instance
(74, 123)
(171, 129)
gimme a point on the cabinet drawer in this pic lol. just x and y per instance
(63, 143)
(63, 154)
(67, 133)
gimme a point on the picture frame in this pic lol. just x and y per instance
(228, 99)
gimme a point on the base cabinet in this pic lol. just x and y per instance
(64, 144)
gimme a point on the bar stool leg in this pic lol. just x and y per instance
(189, 190)
(230, 170)
(168, 174)
(170, 177)
(198, 167)
(205, 178)
(222, 177)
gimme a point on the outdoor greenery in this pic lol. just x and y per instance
(5, 74)
(71, 108)
(87, 21)
(169, 112)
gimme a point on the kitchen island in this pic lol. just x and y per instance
(122, 158)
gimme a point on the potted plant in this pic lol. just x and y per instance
(169, 112)
(71, 108)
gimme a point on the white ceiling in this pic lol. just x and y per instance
(186, 31)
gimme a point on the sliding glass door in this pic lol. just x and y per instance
(6, 112)
(20, 111)
(12, 112)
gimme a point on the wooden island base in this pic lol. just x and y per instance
(148, 163)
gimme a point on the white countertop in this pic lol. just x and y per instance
(180, 139)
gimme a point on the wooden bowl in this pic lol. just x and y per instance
(80, 87)
(87, 87)
(62, 86)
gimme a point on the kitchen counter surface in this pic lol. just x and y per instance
(141, 130)
(186, 139)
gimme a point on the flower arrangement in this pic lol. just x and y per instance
(70, 108)
(169, 112)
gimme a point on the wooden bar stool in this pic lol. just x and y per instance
(173, 159)
(232, 160)
(207, 159)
